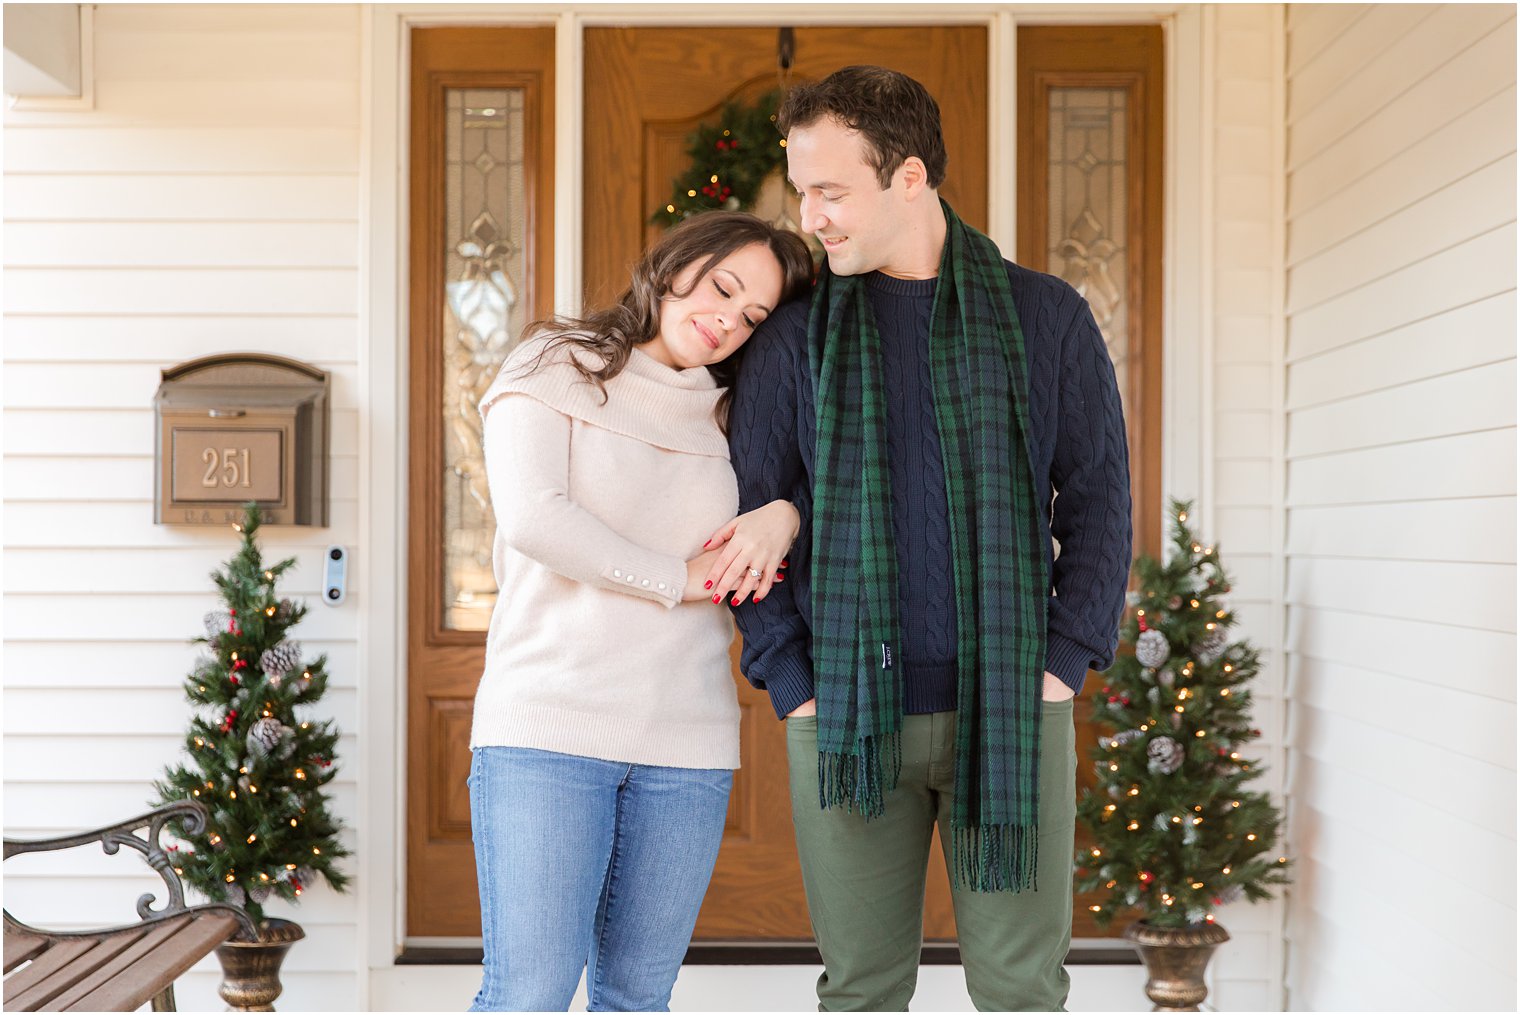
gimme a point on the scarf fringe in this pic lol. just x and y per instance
(995, 858)
(860, 781)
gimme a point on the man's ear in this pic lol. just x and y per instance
(914, 177)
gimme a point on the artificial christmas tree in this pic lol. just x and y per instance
(1175, 831)
(255, 758)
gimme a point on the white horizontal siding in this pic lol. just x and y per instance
(1400, 546)
(177, 149)
(186, 245)
(208, 203)
(178, 196)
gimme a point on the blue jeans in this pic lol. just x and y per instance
(587, 864)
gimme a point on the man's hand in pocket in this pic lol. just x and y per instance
(1056, 689)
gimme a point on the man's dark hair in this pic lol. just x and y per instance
(895, 114)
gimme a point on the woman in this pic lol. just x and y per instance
(606, 726)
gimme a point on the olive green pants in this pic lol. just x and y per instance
(865, 880)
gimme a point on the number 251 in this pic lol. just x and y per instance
(223, 469)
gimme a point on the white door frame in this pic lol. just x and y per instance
(383, 518)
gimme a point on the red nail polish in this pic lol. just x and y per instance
(736, 601)
(718, 597)
(784, 563)
(780, 577)
(707, 544)
(708, 585)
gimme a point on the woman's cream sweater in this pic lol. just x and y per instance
(598, 507)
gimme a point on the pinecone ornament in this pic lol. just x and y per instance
(283, 611)
(217, 622)
(1151, 648)
(280, 660)
(235, 895)
(1164, 754)
(1166, 678)
(264, 736)
(258, 893)
(1211, 647)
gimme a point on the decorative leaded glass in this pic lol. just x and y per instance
(485, 308)
(1089, 210)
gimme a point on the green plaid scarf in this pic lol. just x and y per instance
(981, 404)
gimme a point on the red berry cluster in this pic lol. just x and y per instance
(724, 146)
(230, 719)
(717, 191)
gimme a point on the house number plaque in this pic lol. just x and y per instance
(227, 465)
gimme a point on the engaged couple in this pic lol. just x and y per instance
(870, 472)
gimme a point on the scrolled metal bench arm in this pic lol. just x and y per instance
(111, 839)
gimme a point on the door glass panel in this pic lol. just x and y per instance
(484, 302)
(1089, 209)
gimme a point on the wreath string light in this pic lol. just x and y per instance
(730, 159)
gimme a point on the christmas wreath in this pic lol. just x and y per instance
(729, 161)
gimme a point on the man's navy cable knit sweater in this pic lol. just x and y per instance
(1077, 445)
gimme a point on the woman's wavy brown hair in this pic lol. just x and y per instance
(709, 237)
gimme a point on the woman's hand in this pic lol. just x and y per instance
(697, 584)
(756, 541)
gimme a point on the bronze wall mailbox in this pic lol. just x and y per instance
(241, 427)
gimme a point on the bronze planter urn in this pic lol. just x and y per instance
(1175, 958)
(251, 969)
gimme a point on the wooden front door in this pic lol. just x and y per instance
(646, 90)
(482, 191)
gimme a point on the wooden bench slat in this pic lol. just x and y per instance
(156, 935)
(21, 946)
(143, 951)
(55, 970)
(53, 959)
(148, 967)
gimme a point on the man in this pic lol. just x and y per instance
(937, 414)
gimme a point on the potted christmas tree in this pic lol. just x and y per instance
(1176, 833)
(258, 762)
